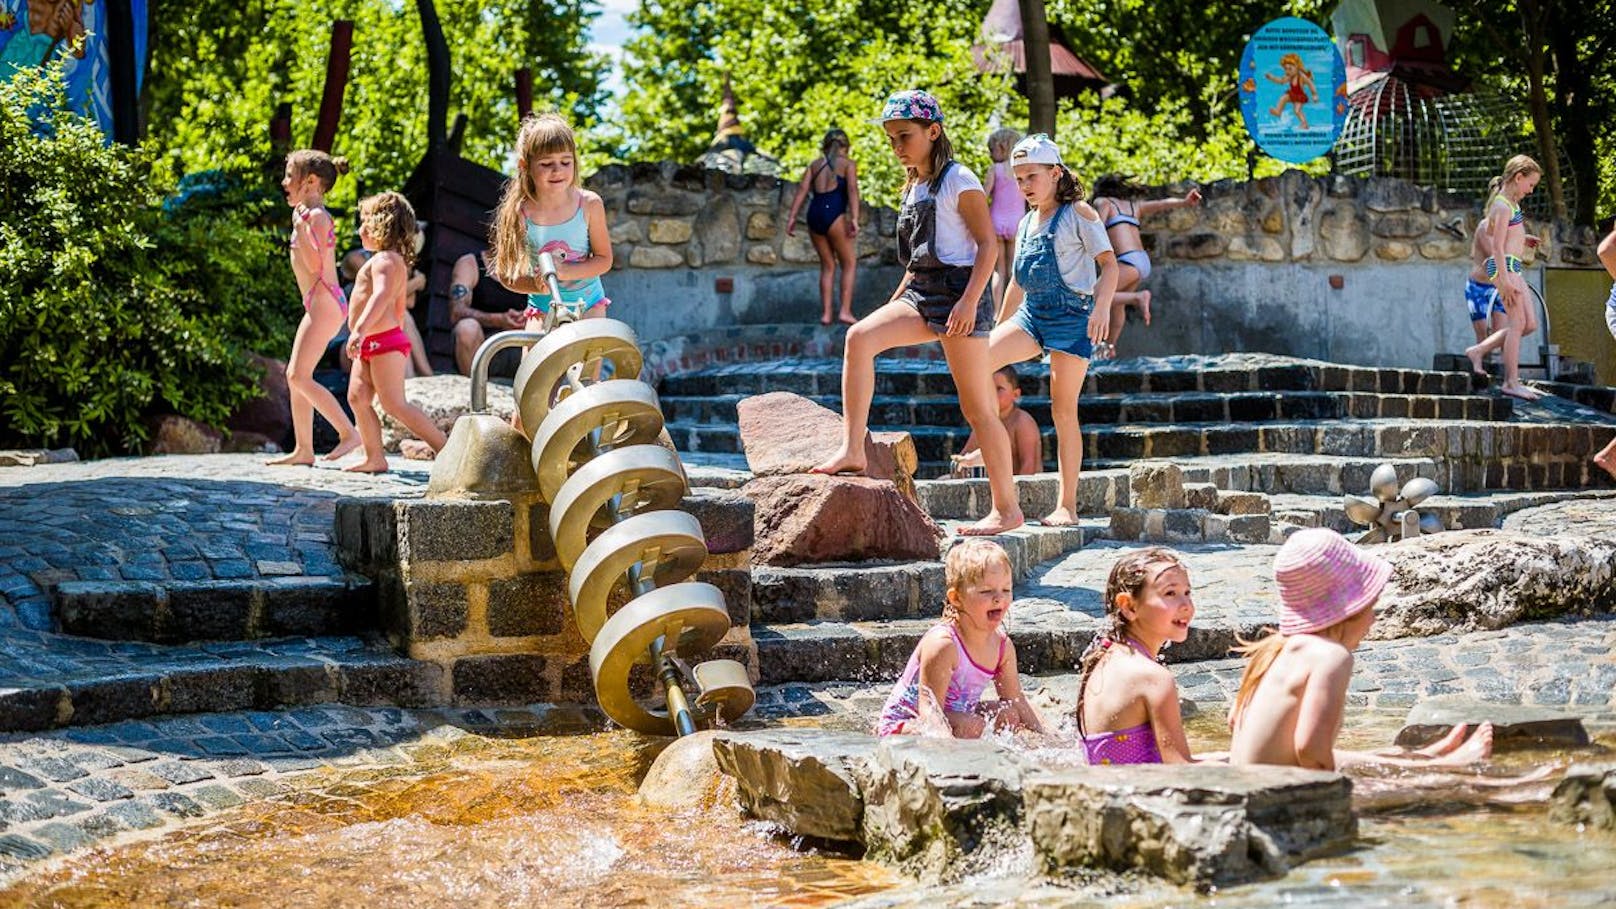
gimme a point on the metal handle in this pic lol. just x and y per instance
(485, 354)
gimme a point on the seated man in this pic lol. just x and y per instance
(1026, 446)
(479, 306)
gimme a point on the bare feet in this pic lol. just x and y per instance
(1447, 743)
(842, 462)
(1475, 353)
(292, 459)
(1144, 305)
(1607, 460)
(1060, 517)
(1519, 391)
(416, 450)
(368, 466)
(344, 447)
(994, 523)
(1479, 747)
(824, 319)
(847, 318)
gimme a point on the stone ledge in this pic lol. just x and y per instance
(1586, 797)
(179, 611)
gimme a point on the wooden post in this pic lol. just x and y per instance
(125, 71)
(337, 61)
(437, 76)
(524, 92)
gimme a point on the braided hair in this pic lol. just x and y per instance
(1131, 575)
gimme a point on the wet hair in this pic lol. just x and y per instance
(1117, 186)
(1131, 575)
(966, 564)
(540, 135)
(942, 152)
(1514, 167)
(307, 161)
(389, 221)
(1000, 141)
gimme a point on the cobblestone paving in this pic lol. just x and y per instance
(183, 518)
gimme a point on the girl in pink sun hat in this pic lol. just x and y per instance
(1293, 693)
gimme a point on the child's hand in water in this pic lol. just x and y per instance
(962, 318)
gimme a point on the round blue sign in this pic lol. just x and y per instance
(1293, 90)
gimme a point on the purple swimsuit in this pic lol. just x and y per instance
(1134, 745)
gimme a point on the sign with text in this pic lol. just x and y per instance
(1293, 90)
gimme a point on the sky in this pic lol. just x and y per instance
(608, 33)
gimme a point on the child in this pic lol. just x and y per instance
(945, 241)
(1114, 196)
(1606, 457)
(1026, 446)
(309, 175)
(957, 658)
(1482, 299)
(1299, 82)
(833, 218)
(545, 209)
(1294, 691)
(1125, 692)
(1506, 241)
(1067, 273)
(377, 341)
(1006, 206)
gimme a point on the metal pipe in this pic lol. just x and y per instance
(684, 722)
(485, 354)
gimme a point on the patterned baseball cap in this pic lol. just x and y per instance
(914, 104)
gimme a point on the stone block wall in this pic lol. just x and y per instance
(475, 587)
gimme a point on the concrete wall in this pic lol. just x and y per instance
(1248, 270)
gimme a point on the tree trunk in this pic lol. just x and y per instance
(1532, 22)
(1040, 78)
(337, 62)
(1573, 96)
(437, 75)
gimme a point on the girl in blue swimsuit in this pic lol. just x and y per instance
(833, 217)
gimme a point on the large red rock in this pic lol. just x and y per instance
(806, 518)
(268, 417)
(783, 433)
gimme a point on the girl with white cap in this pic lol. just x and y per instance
(1293, 693)
(1059, 297)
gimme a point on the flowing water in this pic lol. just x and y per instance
(551, 820)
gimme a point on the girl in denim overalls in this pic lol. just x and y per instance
(1063, 264)
(946, 244)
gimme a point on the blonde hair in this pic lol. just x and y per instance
(1000, 141)
(389, 221)
(1295, 60)
(1131, 575)
(1260, 655)
(306, 161)
(540, 135)
(1514, 167)
(967, 563)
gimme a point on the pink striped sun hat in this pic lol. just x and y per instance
(1324, 579)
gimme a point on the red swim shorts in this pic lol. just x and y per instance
(386, 342)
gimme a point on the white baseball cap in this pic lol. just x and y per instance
(1037, 148)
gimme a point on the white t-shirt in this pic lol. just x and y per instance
(954, 243)
(1078, 242)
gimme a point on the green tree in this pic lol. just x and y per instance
(220, 69)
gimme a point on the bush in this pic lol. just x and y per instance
(111, 310)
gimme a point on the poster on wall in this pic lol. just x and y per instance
(35, 31)
(1293, 90)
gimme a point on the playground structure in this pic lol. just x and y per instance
(613, 488)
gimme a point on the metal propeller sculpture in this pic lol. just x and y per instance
(1390, 511)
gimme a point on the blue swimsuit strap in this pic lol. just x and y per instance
(1120, 217)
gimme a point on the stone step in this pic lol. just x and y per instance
(1227, 373)
(174, 612)
(868, 592)
(1456, 512)
(1477, 455)
(1167, 407)
(112, 682)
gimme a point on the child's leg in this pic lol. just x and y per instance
(1454, 750)
(896, 324)
(1606, 458)
(1301, 117)
(1479, 326)
(827, 275)
(419, 364)
(1512, 350)
(973, 379)
(313, 334)
(1001, 271)
(387, 377)
(1127, 279)
(847, 255)
(361, 392)
(1066, 374)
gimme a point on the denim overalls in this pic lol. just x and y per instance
(934, 286)
(1056, 316)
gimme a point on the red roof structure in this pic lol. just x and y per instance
(1002, 46)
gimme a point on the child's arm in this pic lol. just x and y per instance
(1151, 206)
(600, 245)
(852, 199)
(796, 202)
(987, 185)
(1028, 446)
(973, 208)
(938, 659)
(1273, 78)
(1007, 682)
(1166, 720)
(1318, 716)
(1312, 88)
